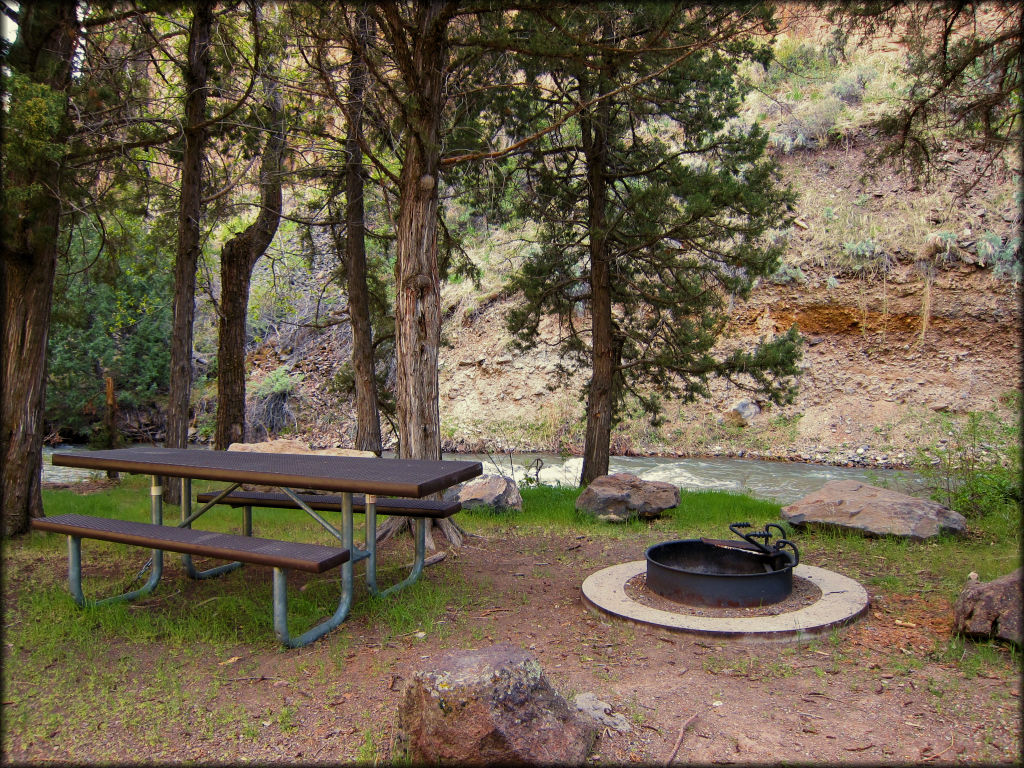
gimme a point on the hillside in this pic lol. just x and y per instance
(906, 291)
(921, 327)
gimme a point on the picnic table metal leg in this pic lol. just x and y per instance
(157, 561)
(344, 603)
(370, 510)
(186, 560)
(420, 537)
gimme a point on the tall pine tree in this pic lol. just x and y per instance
(653, 201)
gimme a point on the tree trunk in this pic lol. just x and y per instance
(187, 256)
(111, 438)
(237, 260)
(47, 37)
(417, 282)
(600, 399)
(368, 436)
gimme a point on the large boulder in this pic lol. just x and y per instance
(858, 506)
(492, 706)
(617, 498)
(495, 491)
(990, 608)
(291, 445)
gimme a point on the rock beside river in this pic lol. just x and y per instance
(617, 498)
(858, 506)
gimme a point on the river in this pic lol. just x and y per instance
(785, 482)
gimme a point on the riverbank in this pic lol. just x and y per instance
(782, 482)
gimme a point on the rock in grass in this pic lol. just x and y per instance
(492, 706)
(990, 608)
(858, 506)
(495, 491)
(617, 498)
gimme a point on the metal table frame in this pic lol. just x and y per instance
(159, 462)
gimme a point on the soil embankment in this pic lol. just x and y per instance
(919, 321)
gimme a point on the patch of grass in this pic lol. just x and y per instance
(369, 749)
(417, 608)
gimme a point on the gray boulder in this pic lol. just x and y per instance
(617, 498)
(601, 712)
(740, 413)
(990, 608)
(495, 491)
(492, 706)
(858, 506)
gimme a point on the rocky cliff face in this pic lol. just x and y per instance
(905, 306)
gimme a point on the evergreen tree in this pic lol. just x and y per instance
(36, 82)
(653, 201)
(963, 67)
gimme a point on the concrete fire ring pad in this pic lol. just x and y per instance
(842, 601)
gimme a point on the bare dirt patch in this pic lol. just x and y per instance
(876, 692)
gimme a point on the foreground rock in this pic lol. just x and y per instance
(858, 506)
(617, 498)
(495, 491)
(492, 706)
(991, 608)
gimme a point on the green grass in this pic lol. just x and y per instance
(168, 649)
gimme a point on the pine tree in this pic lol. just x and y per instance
(654, 202)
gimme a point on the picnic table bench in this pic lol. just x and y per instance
(324, 502)
(331, 473)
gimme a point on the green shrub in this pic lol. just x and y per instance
(811, 124)
(1004, 257)
(268, 411)
(976, 468)
(793, 57)
(278, 382)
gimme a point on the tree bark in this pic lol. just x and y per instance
(417, 282)
(43, 51)
(189, 213)
(368, 437)
(600, 399)
(237, 260)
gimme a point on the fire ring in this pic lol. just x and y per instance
(842, 601)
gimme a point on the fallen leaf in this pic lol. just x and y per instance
(905, 623)
(232, 660)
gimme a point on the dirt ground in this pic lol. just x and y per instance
(875, 692)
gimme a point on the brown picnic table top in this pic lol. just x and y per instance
(410, 478)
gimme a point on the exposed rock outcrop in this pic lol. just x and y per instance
(858, 506)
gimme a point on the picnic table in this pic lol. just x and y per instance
(340, 476)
